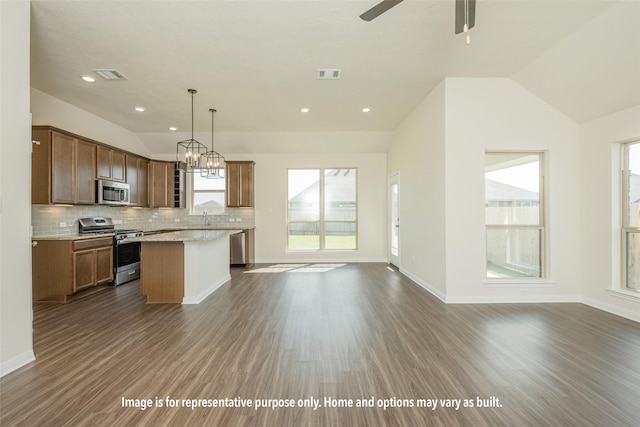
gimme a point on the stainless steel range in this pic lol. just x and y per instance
(126, 255)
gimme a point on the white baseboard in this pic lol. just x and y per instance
(433, 291)
(610, 308)
(16, 363)
(512, 299)
(318, 259)
(199, 298)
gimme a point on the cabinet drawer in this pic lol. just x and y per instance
(79, 245)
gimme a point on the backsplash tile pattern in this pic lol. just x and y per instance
(46, 220)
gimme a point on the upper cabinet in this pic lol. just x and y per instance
(138, 180)
(111, 164)
(160, 184)
(239, 189)
(63, 168)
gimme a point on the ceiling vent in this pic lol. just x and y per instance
(110, 74)
(328, 73)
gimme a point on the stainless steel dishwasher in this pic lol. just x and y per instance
(237, 249)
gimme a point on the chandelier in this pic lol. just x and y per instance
(190, 151)
(212, 163)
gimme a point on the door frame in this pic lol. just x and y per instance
(393, 179)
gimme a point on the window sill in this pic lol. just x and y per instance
(625, 294)
(515, 283)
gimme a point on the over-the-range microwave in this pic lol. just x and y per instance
(112, 192)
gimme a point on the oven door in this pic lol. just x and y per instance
(126, 257)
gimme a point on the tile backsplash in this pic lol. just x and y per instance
(63, 220)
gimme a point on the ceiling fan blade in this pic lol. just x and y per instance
(460, 14)
(379, 9)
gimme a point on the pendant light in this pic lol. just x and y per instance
(212, 164)
(190, 151)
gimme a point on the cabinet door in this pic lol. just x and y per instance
(118, 166)
(105, 159)
(63, 176)
(111, 164)
(132, 179)
(159, 176)
(104, 265)
(239, 176)
(84, 269)
(246, 184)
(41, 167)
(143, 182)
(85, 173)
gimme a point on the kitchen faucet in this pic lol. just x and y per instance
(205, 219)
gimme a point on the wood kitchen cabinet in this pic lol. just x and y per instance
(63, 270)
(63, 168)
(160, 184)
(138, 180)
(110, 164)
(239, 184)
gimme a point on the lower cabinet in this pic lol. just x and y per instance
(66, 269)
(92, 267)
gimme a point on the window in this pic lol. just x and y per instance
(631, 215)
(321, 209)
(514, 215)
(206, 194)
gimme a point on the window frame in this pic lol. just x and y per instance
(322, 221)
(191, 195)
(626, 228)
(541, 226)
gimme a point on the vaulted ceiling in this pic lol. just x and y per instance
(256, 62)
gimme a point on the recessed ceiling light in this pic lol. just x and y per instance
(140, 109)
(88, 79)
(304, 110)
(366, 109)
(173, 128)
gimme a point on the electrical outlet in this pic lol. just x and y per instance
(118, 221)
(238, 219)
(232, 219)
(176, 219)
(62, 223)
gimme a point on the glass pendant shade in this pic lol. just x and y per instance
(212, 163)
(190, 151)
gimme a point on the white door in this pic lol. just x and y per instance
(394, 220)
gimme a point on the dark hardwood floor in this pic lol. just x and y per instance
(359, 331)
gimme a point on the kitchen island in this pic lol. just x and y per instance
(183, 266)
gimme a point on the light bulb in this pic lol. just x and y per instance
(465, 28)
(468, 39)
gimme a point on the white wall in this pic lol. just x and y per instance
(497, 114)
(51, 111)
(600, 208)
(271, 204)
(417, 153)
(16, 345)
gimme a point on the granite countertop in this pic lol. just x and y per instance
(203, 227)
(73, 236)
(77, 236)
(185, 236)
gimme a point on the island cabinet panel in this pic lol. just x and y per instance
(111, 164)
(239, 184)
(63, 168)
(138, 180)
(66, 269)
(162, 272)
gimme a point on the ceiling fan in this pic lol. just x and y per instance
(465, 13)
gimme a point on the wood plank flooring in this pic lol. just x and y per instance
(359, 331)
